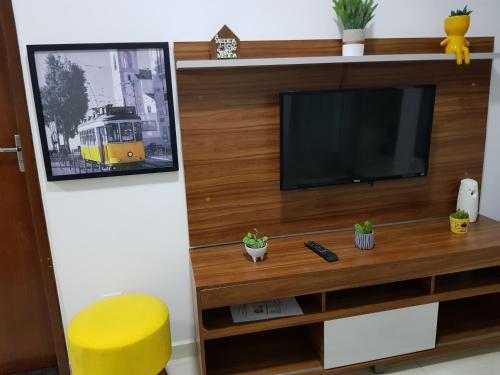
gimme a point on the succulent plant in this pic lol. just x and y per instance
(460, 215)
(253, 241)
(367, 228)
(354, 14)
(461, 12)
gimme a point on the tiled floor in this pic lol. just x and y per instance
(482, 361)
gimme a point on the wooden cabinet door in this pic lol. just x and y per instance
(27, 323)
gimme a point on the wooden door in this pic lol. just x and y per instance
(30, 325)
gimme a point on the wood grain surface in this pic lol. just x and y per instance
(464, 318)
(225, 275)
(230, 135)
(326, 47)
(412, 264)
(31, 329)
(292, 351)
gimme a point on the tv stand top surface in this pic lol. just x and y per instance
(402, 251)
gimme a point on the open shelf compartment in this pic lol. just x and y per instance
(220, 318)
(467, 280)
(377, 294)
(287, 350)
(468, 319)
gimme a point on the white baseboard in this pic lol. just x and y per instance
(183, 349)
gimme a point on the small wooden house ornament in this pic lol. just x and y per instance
(225, 45)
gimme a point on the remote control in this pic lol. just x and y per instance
(322, 251)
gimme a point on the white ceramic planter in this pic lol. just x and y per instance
(353, 42)
(256, 253)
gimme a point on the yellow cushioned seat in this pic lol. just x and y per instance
(122, 335)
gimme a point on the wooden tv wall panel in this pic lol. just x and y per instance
(230, 130)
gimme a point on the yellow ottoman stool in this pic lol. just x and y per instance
(123, 335)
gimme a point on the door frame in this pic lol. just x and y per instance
(34, 198)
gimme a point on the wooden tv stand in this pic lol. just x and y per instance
(412, 264)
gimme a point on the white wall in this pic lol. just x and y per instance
(129, 233)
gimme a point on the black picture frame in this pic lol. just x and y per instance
(171, 165)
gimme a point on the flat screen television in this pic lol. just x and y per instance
(354, 136)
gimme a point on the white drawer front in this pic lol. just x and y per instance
(380, 335)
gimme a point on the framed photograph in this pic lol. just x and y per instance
(104, 109)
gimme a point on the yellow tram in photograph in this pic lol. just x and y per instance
(112, 137)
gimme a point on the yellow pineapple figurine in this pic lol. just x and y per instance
(456, 26)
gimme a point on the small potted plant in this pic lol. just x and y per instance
(364, 236)
(255, 246)
(354, 15)
(459, 222)
(456, 26)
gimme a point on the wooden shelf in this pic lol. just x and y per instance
(467, 284)
(468, 279)
(373, 298)
(219, 323)
(468, 319)
(223, 99)
(287, 350)
(413, 264)
(315, 60)
(407, 251)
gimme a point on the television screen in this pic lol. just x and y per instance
(352, 136)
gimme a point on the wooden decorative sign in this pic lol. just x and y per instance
(225, 45)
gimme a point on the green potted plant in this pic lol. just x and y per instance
(255, 246)
(354, 15)
(364, 236)
(459, 222)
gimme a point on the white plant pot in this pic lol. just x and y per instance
(353, 42)
(256, 253)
